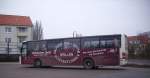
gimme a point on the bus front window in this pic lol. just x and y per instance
(24, 49)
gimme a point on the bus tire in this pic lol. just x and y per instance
(88, 64)
(37, 63)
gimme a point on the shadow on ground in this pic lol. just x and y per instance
(75, 68)
(136, 65)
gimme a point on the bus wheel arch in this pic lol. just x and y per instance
(37, 63)
(88, 63)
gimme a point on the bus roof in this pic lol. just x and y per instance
(114, 35)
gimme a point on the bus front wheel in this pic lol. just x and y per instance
(88, 64)
(37, 63)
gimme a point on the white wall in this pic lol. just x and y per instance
(14, 39)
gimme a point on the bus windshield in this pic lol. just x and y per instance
(24, 49)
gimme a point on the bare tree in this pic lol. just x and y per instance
(37, 31)
(147, 34)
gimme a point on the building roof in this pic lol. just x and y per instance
(15, 20)
(132, 38)
(142, 39)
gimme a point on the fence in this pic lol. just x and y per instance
(9, 51)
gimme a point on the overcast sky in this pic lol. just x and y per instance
(88, 17)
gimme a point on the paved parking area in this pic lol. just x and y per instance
(15, 70)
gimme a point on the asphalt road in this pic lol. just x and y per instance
(14, 70)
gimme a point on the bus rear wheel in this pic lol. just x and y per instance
(37, 63)
(88, 64)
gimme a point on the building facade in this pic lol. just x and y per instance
(138, 44)
(13, 31)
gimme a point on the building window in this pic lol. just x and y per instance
(130, 42)
(22, 29)
(7, 40)
(7, 29)
(10, 49)
(22, 38)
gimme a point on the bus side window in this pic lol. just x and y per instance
(36, 46)
(54, 44)
(102, 43)
(68, 43)
(50, 46)
(109, 44)
(95, 44)
(72, 43)
(90, 42)
(33, 46)
(43, 46)
(59, 44)
(86, 44)
(76, 43)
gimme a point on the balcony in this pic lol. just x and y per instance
(22, 31)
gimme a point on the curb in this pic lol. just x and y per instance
(137, 65)
(9, 62)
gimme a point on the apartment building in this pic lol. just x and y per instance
(14, 30)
